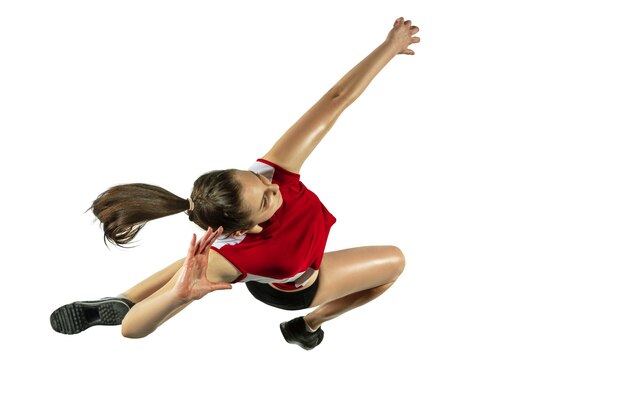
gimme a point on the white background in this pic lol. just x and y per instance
(493, 157)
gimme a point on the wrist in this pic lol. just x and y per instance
(175, 299)
(390, 47)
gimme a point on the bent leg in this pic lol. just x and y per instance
(352, 277)
(78, 316)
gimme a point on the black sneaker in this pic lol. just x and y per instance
(294, 331)
(78, 316)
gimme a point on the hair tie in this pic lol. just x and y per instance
(190, 204)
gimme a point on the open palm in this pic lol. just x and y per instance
(192, 284)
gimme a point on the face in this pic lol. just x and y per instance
(260, 196)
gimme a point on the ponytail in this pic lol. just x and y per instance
(125, 209)
(215, 201)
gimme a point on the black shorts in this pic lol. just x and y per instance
(286, 300)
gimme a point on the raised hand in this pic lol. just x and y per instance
(192, 284)
(401, 36)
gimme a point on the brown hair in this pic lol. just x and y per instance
(125, 209)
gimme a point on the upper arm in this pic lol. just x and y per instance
(221, 269)
(295, 145)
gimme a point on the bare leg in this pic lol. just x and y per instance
(352, 277)
(78, 316)
(335, 308)
(153, 283)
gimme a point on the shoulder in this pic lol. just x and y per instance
(220, 269)
(284, 163)
(273, 171)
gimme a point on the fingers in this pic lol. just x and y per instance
(207, 234)
(406, 23)
(192, 246)
(210, 239)
(412, 30)
(401, 25)
(217, 234)
(196, 245)
(188, 259)
(205, 238)
(400, 21)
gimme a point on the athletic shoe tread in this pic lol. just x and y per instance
(78, 316)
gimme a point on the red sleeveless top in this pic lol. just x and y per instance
(291, 245)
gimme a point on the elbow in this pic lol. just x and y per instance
(338, 96)
(335, 94)
(130, 333)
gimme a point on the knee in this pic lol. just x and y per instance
(398, 261)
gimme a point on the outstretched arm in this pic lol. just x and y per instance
(294, 147)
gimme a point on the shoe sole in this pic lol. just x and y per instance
(79, 316)
(283, 330)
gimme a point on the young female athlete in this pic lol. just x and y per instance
(272, 232)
